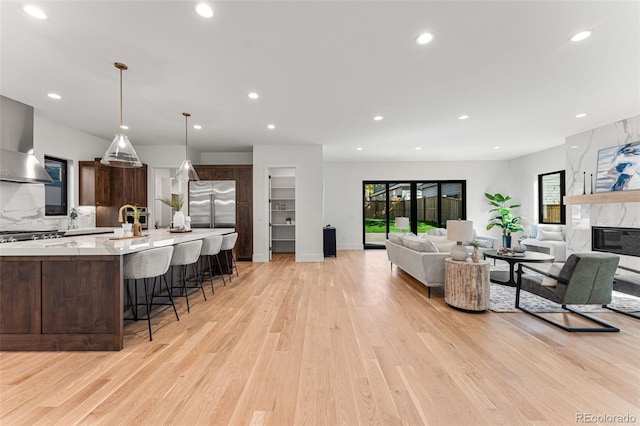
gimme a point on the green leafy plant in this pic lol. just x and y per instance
(475, 243)
(73, 213)
(175, 202)
(136, 212)
(504, 219)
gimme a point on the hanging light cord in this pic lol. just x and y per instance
(186, 127)
(121, 67)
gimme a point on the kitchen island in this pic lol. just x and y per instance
(67, 293)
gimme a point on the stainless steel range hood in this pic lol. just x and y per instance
(17, 163)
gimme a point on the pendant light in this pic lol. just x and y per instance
(121, 153)
(186, 172)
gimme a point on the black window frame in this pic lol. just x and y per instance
(563, 212)
(413, 206)
(60, 209)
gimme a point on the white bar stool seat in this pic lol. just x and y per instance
(143, 265)
(185, 254)
(211, 247)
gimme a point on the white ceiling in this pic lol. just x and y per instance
(324, 69)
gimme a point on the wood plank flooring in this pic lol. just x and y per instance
(345, 342)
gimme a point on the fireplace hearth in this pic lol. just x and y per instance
(616, 240)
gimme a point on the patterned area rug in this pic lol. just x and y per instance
(502, 299)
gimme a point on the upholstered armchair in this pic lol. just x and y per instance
(584, 279)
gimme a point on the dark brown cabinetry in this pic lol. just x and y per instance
(49, 304)
(95, 184)
(108, 188)
(243, 175)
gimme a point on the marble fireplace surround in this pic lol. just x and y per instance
(582, 152)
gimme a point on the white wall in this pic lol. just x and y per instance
(523, 174)
(226, 158)
(307, 160)
(584, 158)
(343, 190)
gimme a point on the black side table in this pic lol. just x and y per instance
(329, 241)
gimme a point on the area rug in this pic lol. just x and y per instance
(502, 299)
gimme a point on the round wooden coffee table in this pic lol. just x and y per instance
(501, 277)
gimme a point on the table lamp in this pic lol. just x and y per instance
(402, 223)
(459, 231)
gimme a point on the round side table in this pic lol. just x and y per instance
(466, 285)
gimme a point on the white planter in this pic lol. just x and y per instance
(178, 219)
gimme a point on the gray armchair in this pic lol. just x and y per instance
(585, 279)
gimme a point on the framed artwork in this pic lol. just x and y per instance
(618, 168)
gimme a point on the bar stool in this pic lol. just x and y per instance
(143, 265)
(211, 247)
(228, 243)
(185, 254)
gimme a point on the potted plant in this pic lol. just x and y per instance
(73, 215)
(137, 226)
(175, 202)
(288, 221)
(504, 219)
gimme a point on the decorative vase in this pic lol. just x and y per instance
(475, 258)
(519, 247)
(136, 228)
(178, 220)
(506, 241)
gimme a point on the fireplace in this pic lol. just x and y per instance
(616, 240)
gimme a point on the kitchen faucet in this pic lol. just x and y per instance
(120, 219)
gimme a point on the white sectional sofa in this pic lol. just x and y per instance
(426, 267)
(548, 239)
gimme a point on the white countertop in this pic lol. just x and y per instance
(102, 244)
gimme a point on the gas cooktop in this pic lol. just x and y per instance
(13, 236)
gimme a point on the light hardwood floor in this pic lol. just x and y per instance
(348, 342)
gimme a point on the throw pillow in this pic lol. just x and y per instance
(554, 269)
(445, 247)
(550, 235)
(421, 245)
(396, 237)
(552, 228)
(435, 238)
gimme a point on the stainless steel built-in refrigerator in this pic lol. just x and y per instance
(212, 203)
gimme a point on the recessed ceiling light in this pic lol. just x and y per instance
(378, 118)
(34, 11)
(496, 147)
(271, 126)
(463, 117)
(573, 146)
(424, 38)
(253, 95)
(54, 96)
(581, 35)
(197, 127)
(204, 10)
(124, 127)
(359, 148)
(418, 148)
(582, 114)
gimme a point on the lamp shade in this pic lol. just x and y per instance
(402, 222)
(459, 230)
(186, 172)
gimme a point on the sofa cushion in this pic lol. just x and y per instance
(554, 269)
(396, 237)
(544, 235)
(419, 244)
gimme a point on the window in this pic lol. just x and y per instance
(550, 193)
(427, 204)
(55, 193)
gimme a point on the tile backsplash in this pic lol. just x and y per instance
(22, 208)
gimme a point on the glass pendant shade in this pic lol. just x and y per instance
(121, 154)
(186, 172)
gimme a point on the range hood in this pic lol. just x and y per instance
(17, 163)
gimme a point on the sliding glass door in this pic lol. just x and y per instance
(426, 204)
